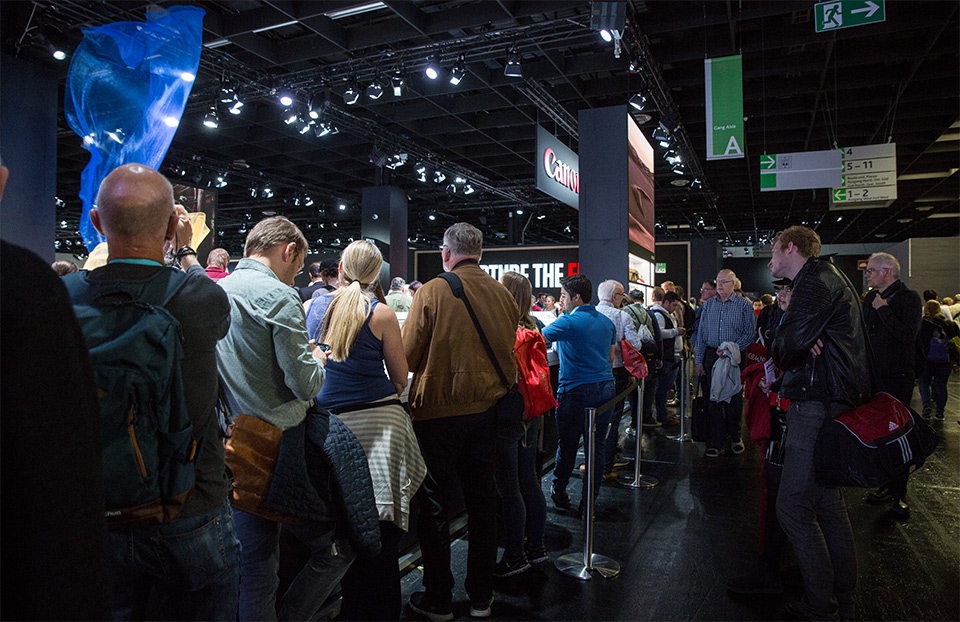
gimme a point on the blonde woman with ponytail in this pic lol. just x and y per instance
(364, 337)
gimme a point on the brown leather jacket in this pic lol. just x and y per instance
(452, 374)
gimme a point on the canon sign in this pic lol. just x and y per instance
(558, 169)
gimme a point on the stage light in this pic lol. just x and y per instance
(307, 200)
(171, 121)
(468, 189)
(513, 68)
(432, 216)
(221, 180)
(286, 99)
(638, 101)
(351, 95)
(375, 90)
(452, 188)
(606, 35)
(303, 126)
(289, 116)
(342, 207)
(397, 82)
(459, 70)
(59, 54)
(117, 136)
(432, 69)
(438, 177)
(267, 192)
(236, 107)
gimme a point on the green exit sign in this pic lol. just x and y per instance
(661, 268)
(848, 13)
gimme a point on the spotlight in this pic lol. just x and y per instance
(321, 129)
(432, 216)
(59, 54)
(236, 107)
(342, 207)
(289, 116)
(452, 188)
(678, 169)
(221, 180)
(459, 70)
(211, 119)
(396, 81)
(171, 121)
(513, 68)
(438, 177)
(286, 99)
(519, 212)
(307, 200)
(468, 189)
(421, 170)
(638, 101)
(267, 192)
(432, 69)
(303, 125)
(396, 160)
(253, 192)
(351, 95)
(375, 90)
(226, 93)
(186, 76)
(117, 135)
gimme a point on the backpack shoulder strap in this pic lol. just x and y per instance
(456, 285)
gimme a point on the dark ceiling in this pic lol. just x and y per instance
(893, 81)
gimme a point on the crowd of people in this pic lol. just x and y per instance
(312, 410)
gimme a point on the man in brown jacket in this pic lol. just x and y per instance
(453, 398)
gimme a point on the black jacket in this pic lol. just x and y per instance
(823, 306)
(893, 332)
(929, 328)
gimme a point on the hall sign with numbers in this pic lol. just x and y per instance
(801, 170)
(869, 177)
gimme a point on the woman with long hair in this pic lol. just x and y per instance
(522, 505)
(364, 336)
(933, 361)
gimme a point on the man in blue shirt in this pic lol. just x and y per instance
(585, 340)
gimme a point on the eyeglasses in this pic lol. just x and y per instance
(724, 282)
(872, 270)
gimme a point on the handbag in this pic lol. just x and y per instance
(699, 415)
(633, 360)
(251, 453)
(510, 406)
(871, 444)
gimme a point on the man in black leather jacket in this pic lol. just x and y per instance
(821, 348)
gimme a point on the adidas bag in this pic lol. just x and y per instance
(148, 448)
(533, 373)
(869, 445)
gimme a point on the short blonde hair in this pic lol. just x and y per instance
(271, 232)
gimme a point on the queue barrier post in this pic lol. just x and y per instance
(684, 435)
(579, 566)
(640, 480)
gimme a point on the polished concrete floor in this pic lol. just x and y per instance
(679, 542)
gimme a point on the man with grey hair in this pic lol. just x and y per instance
(725, 318)
(217, 261)
(453, 402)
(611, 294)
(397, 298)
(892, 313)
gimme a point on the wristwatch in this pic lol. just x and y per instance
(184, 251)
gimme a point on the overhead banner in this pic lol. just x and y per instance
(724, 96)
(800, 170)
(558, 169)
(869, 177)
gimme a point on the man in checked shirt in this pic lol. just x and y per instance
(725, 317)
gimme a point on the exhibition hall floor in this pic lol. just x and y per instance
(679, 542)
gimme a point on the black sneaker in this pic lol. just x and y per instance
(560, 499)
(537, 556)
(506, 568)
(481, 609)
(433, 611)
(899, 509)
(879, 496)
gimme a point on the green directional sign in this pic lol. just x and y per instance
(801, 170)
(848, 13)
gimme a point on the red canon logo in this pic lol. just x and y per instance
(561, 172)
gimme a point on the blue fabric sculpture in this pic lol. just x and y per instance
(126, 90)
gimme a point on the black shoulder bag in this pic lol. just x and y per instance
(510, 406)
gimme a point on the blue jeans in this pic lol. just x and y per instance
(935, 376)
(664, 384)
(192, 565)
(814, 516)
(330, 558)
(571, 426)
(522, 506)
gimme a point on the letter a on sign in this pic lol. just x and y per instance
(724, 99)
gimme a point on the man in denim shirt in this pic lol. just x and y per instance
(585, 340)
(274, 372)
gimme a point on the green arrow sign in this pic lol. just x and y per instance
(848, 13)
(839, 195)
(768, 162)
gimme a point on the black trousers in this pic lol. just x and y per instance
(371, 587)
(460, 455)
(724, 417)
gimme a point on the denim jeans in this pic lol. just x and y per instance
(460, 453)
(935, 376)
(664, 384)
(622, 380)
(522, 506)
(192, 565)
(330, 558)
(814, 516)
(571, 427)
